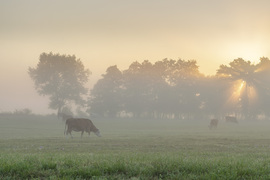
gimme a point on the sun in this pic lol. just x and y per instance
(249, 51)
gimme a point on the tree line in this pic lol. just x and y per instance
(166, 89)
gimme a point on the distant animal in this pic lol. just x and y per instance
(231, 119)
(80, 124)
(213, 123)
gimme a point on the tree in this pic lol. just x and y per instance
(105, 98)
(165, 89)
(61, 77)
(212, 94)
(176, 89)
(247, 80)
(184, 77)
(143, 83)
(263, 74)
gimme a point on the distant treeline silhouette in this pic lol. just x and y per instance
(175, 89)
(166, 89)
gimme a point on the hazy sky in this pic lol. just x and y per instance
(117, 32)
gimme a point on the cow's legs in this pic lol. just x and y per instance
(71, 135)
(69, 132)
(66, 135)
(82, 134)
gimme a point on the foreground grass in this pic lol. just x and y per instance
(132, 150)
(134, 158)
(134, 166)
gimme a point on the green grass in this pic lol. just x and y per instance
(129, 149)
(134, 165)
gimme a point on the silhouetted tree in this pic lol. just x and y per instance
(176, 89)
(60, 77)
(106, 96)
(262, 84)
(138, 84)
(165, 103)
(213, 95)
(246, 80)
(185, 77)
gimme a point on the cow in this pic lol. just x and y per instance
(213, 123)
(231, 119)
(80, 124)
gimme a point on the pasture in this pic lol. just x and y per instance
(35, 148)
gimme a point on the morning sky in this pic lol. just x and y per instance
(103, 33)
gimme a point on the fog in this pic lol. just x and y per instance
(142, 89)
(175, 89)
(166, 89)
(169, 99)
(103, 34)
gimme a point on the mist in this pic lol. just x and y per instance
(104, 34)
(176, 89)
(134, 89)
(165, 89)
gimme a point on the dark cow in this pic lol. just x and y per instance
(231, 119)
(80, 124)
(213, 123)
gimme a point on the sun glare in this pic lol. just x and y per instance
(248, 51)
(238, 91)
(241, 90)
(241, 85)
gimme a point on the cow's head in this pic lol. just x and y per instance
(98, 133)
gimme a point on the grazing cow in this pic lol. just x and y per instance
(213, 123)
(231, 119)
(80, 124)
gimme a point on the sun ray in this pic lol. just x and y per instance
(237, 93)
(241, 86)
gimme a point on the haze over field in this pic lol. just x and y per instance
(104, 33)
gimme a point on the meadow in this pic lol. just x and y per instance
(35, 148)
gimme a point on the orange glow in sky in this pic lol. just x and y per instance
(103, 33)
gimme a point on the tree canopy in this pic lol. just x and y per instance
(61, 77)
(166, 89)
(176, 89)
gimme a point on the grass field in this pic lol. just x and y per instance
(129, 149)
